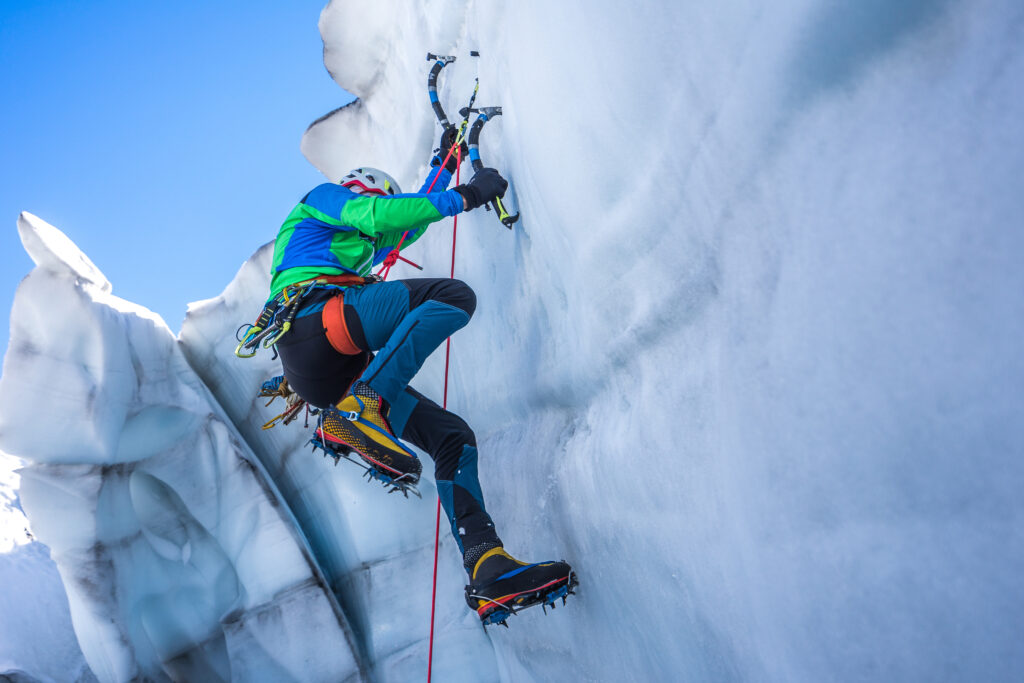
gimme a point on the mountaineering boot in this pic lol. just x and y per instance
(501, 585)
(358, 422)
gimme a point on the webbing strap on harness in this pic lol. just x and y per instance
(275, 320)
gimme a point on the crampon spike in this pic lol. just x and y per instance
(544, 598)
(392, 484)
(499, 618)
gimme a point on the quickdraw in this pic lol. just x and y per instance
(275, 320)
(278, 386)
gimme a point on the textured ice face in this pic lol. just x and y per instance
(184, 554)
(36, 637)
(750, 362)
(14, 527)
(179, 558)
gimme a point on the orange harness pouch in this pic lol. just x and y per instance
(333, 317)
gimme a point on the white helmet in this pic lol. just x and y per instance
(371, 180)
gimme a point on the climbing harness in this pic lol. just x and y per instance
(275, 320)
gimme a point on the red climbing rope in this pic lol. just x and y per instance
(388, 262)
(386, 268)
(447, 356)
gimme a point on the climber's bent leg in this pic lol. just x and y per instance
(404, 321)
(452, 445)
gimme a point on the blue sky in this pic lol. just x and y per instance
(162, 138)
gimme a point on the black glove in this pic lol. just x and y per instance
(447, 142)
(485, 186)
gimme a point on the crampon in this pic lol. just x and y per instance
(372, 470)
(497, 610)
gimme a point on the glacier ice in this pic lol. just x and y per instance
(750, 359)
(750, 362)
(37, 641)
(180, 560)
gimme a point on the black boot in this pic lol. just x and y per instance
(501, 585)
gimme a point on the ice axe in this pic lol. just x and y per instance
(507, 211)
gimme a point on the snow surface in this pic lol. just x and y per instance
(750, 362)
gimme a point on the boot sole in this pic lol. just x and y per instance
(496, 610)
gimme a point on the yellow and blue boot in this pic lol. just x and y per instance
(358, 422)
(501, 585)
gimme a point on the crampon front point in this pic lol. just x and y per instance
(498, 610)
(373, 471)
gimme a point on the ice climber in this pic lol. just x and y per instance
(354, 343)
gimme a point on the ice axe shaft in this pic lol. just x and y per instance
(507, 218)
(440, 62)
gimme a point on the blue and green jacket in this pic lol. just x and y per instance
(334, 231)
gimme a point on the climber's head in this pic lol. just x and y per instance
(371, 181)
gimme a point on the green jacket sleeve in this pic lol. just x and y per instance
(388, 217)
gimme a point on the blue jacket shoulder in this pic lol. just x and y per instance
(329, 198)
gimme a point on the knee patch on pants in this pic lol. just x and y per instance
(452, 292)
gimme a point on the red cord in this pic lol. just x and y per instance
(433, 592)
(386, 269)
(447, 356)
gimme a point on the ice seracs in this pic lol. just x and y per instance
(179, 558)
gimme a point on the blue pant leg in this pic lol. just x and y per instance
(404, 337)
(381, 308)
